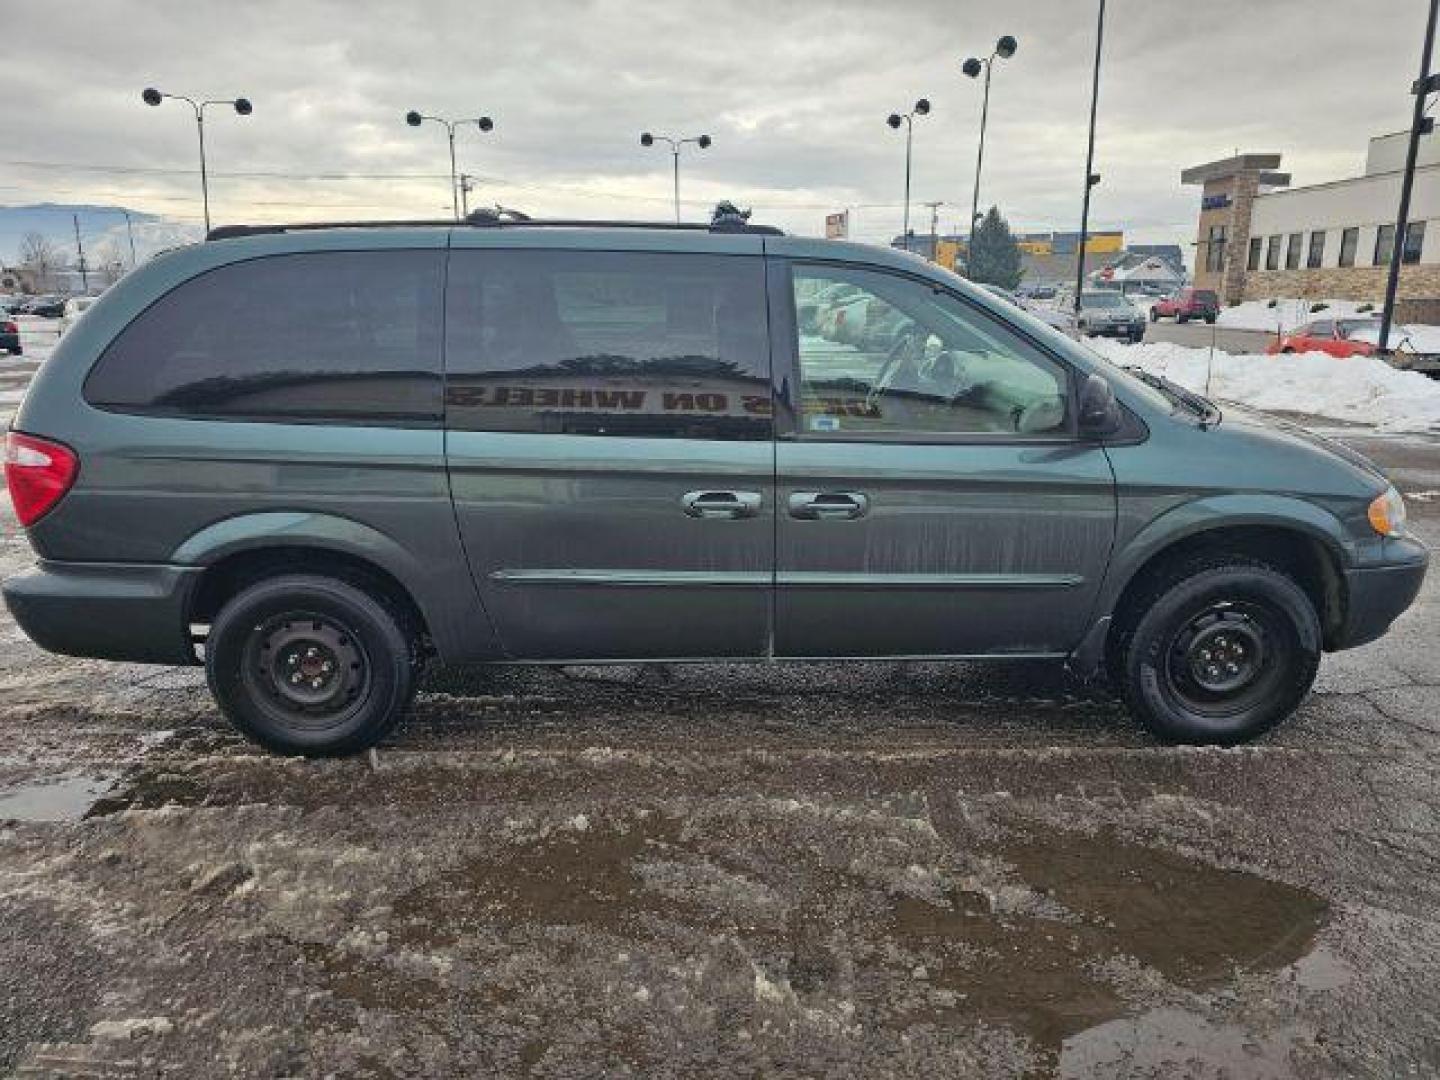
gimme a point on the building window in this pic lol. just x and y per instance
(1349, 241)
(1317, 250)
(1256, 243)
(1384, 244)
(1292, 251)
(1414, 241)
(1272, 253)
(1215, 249)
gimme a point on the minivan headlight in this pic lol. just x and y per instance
(1387, 512)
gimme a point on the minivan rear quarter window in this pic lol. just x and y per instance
(346, 336)
(642, 344)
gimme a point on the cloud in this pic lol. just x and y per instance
(794, 94)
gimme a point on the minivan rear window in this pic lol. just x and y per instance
(346, 336)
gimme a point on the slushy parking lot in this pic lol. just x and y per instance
(827, 869)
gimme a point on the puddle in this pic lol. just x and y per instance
(1172, 1042)
(1197, 925)
(65, 797)
(1038, 969)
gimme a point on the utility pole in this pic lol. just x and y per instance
(80, 255)
(934, 229)
(1091, 179)
(1424, 86)
(130, 229)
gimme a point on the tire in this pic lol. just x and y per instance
(1182, 318)
(1154, 315)
(266, 661)
(1209, 320)
(1217, 651)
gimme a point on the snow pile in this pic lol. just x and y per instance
(1358, 390)
(1287, 313)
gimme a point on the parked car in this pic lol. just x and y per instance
(1051, 316)
(47, 307)
(73, 309)
(1189, 303)
(1331, 336)
(10, 336)
(1036, 292)
(1413, 347)
(1104, 313)
(314, 460)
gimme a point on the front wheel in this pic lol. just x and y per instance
(1218, 651)
(306, 664)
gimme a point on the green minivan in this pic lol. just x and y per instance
(314, 457)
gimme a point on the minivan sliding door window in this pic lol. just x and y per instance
(639, 344)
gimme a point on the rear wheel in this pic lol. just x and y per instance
(306, 664)
(1154, 315)
(1218, 650)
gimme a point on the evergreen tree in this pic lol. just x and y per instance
(994, 255)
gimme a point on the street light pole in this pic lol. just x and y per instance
(1091, 179)
(704, 142)
(484, 123)
(922, 108)
(1424, 86)
(1004, 49)
(242, 107)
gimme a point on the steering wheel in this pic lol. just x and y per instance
(899, 353)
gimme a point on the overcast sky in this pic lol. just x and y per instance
(794, 94)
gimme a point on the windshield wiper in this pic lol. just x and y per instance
(1201, 406)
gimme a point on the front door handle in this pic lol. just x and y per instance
(721, 505)
(828, 505)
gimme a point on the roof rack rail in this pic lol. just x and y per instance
(502, 217)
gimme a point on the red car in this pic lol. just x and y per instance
(1187, 304)
(1325, 335)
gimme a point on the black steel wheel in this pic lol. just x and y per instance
(1217, 650)
(305, 664)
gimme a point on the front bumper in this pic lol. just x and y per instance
(109, 611)
(1116, 330)
(1377, 595)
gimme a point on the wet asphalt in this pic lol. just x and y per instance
(806, 870)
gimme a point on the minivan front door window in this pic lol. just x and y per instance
(885, 354)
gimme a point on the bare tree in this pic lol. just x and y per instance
(39, 258)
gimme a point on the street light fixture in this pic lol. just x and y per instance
(702, 141)
(484, 123)
(242, 107)
(922, 108)
(1004, 49)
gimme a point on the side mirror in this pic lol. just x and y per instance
(1099, 411)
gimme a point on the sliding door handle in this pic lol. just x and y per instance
(828, 505)
(721, 505)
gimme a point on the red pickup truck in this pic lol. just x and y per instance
(1187, 304)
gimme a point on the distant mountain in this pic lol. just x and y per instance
(101, 226)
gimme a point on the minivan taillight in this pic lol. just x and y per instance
(37, 472)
